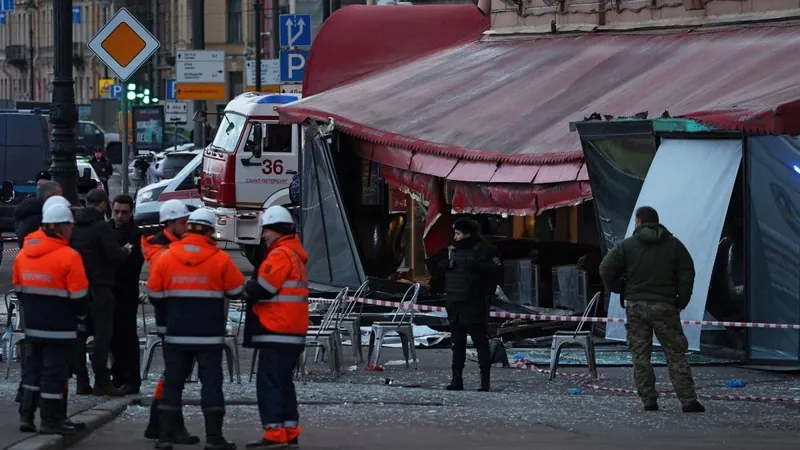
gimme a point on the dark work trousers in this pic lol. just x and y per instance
(477, 331)
(102, 316)
(46, 368)
(277, 399)
(178, 362)
(125, 343)
(78, 357)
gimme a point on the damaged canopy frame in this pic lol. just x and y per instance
(325, 229)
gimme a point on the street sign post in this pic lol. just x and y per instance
(293, 65)
(104, 87)
(176, 112)
(295, 38)
(124, 44)
(270, 72)
(200, 75)
(117, 91)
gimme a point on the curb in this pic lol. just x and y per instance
(94, 418)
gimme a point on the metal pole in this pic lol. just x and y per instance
(105, 19)
(125, 181)
(154, 78)
(64, 114)
(199, 43)
(30, 35)
(276, 29)
(257, 27)
(336, 5)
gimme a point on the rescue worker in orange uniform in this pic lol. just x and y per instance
(172, 216)
(50, 280)
(277, 324)
(192, 281)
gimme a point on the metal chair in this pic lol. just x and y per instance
(327, 336)
(403, 326)
(231, 348)
(578, 337)
(349, 322)
(17, 333)
(152, 340)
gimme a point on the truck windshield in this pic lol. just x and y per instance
(228, 132)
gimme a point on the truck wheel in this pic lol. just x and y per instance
(255, 254)
(114, 153)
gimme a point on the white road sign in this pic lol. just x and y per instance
(176, 112)
(124, 44)
(291, 89)
(270, 72)
(200, 66)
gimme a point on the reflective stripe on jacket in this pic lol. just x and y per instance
(192, 281)
(283, 312)
(49, 277)
(152, 248)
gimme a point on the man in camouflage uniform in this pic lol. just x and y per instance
(656, 274)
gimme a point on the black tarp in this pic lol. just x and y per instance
(325, 230)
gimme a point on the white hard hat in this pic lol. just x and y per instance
(172, 210)
(202, 216)
(57, 214)
(55, 200)
(275, 215)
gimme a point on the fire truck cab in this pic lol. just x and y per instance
(249, 167)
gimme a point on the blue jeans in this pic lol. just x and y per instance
(277, 399)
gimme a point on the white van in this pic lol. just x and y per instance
(183, 187)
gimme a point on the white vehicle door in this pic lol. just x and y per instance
(184, 186)
(262, 179)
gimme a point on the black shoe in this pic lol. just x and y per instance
(264, 443)
(60, 428)
(214, 439)
(457, 383)
(127, 389)
(695, 407)
(79, 426)
(102, 390)
(52, 420)
(293, 444)
(166, 420)
(27, 411)
(84, 387)
(153, 429)
(651, 406)
(485, 375)
(182, 436)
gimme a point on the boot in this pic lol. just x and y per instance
(694, 407)
(457, 383)
(153, 430)
(52, 422)
(485, 375)
(84, 387)
(27, 411)
(272, 438)
(182, 436)
(79, 426)
(214, 438)
(166, 420)
(106, 389)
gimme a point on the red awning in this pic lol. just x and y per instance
(358, 40)
(508, 103)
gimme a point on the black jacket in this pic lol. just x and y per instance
(471, 275)
(127, 281)
(103, 168)
(27, 218)
(97, 244)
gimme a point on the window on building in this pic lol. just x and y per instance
(234, 21)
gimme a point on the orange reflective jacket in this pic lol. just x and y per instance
(191, 281)
(152, 247)
(284, 316)
(50, 279)
(156, 244)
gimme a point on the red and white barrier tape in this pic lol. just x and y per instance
(589, 384)
(557, 318)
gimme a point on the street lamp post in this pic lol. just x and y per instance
(63, 112)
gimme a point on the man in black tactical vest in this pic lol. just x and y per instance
(473, 268)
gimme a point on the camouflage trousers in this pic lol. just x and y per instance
(644, 318)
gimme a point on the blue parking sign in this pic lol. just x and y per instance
(293, 65)
(116, 90)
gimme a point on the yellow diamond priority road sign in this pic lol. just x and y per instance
(123, 44)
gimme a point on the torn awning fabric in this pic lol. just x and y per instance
(499, 110)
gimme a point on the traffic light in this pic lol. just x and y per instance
(131, 94)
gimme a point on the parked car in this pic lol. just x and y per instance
(170, 161)
(183, 187)
(90, 137)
